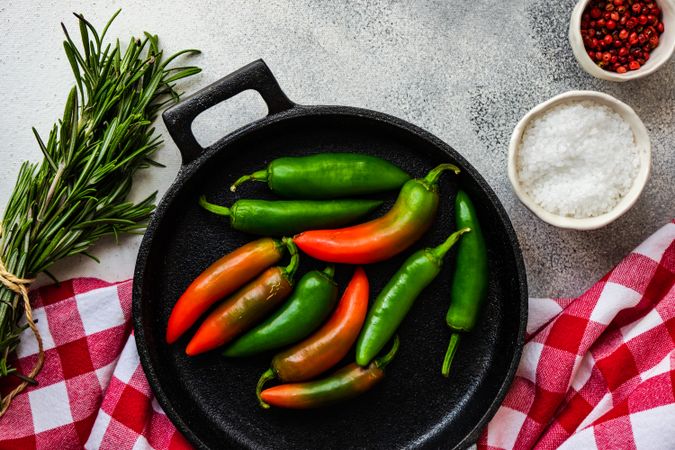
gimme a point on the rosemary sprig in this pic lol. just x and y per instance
(77, 194)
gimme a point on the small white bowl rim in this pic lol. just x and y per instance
(641, 139)
(589, 66)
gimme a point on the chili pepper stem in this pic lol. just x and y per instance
(216, 209)
(329, 271)
(439, 252)
(264, 378)
(260, 175)
(386, 359)
(450, 354)
(435, 173)
(295, 257)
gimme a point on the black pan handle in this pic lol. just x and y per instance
(256, 76)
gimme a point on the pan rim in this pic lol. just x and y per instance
(185, 173)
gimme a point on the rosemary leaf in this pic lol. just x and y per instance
(77, 194)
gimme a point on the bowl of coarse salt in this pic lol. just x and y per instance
(579, 160)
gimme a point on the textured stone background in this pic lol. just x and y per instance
(466, 71)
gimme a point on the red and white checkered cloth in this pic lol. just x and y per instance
(597, 371)
(92, 391)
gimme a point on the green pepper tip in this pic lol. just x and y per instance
(329, 271)
(215, 209)
(450, 354)
(439, 252)
(292, 266)
(361, 360)
(386, 359)
(435, 173)
(264, 378)
(260, 175)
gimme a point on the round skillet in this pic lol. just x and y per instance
(211, 399)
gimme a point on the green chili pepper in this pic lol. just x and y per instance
(346, 383)
(328, 175)
(470, 282)
(312, 300)
(288, 217)
(398, 296)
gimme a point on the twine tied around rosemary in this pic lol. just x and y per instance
(20, 287)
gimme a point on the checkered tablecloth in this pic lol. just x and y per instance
(597, 371)
(92, 392)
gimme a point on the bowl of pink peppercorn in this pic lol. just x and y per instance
(621, 40)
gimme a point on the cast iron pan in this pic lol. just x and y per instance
(211, 399)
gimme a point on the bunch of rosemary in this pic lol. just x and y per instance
(77, 194)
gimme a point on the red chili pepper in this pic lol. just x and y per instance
(380, 239)
(330, 344)
(344, 384)
(219, 280)
(245, 308)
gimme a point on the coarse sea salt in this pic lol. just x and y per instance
(578, 159)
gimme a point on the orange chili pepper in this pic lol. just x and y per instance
(245, 308)
(346, 383)
(219, 280)
(330, 344)
(381, 238)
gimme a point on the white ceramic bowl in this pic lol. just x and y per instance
(658, 57)
(644, 150)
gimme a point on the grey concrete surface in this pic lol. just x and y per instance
(466, 71)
